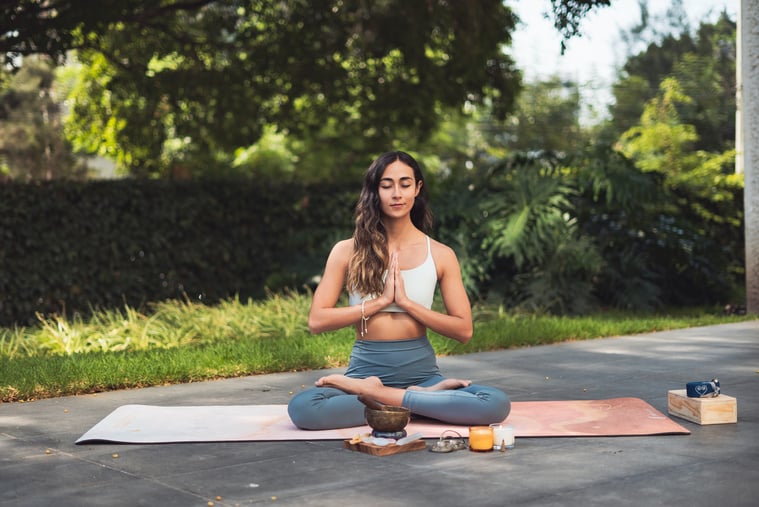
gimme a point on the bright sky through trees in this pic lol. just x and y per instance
(592, 60)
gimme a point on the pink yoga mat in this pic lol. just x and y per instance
(149, 424)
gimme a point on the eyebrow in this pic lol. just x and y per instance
(402, 178)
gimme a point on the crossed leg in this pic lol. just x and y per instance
(372, 387)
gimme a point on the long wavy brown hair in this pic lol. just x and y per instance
(370, 256)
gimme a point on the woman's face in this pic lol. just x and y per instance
(397, 190)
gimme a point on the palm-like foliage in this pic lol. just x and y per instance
(536, 255)
(526, 206)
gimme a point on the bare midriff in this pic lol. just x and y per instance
(391, 326)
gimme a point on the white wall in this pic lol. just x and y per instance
(748, 79)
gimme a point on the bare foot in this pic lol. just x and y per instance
(449, 383)
(350, 385)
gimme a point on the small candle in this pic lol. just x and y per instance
(480, 438)
(503, 436)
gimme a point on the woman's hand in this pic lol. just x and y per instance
(388, 294)
(400, 288)
(400, 296)
(395, 291)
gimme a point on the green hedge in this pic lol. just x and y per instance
(68, 247)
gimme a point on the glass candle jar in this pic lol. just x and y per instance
(480, 438)
(503, 436)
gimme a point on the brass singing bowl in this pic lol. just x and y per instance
(388, 418)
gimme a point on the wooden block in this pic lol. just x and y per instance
(376, 450)
(720, 410)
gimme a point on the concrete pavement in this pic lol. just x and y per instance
(715, 465)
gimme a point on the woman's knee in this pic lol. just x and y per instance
(299, 409)
(498, 404)
(321, 408)
(505, 406)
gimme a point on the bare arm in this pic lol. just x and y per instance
(324, 315)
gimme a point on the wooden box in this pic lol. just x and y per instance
(720, 410)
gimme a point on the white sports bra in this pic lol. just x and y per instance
(419, 282)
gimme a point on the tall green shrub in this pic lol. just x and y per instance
(69, 247)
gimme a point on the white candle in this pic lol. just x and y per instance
(503, 435)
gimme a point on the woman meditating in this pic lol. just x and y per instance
(391, 268)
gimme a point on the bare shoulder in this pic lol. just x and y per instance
(342, 250)
(443, 255)
(337, 263)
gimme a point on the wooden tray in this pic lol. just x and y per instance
(376, 450)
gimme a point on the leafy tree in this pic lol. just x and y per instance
(665, 209)
(54, 27)
(698, 228)
(546, 117)
(32, 145)
(709, 77)
(704, 65)
(661, 142)
(183, 83)
(213, 78)
(569, 14)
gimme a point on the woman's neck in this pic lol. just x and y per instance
(399, 233)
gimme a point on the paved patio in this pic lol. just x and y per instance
(715, 465)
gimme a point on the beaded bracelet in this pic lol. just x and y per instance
(364, 320)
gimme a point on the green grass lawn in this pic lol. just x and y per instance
(178, 342)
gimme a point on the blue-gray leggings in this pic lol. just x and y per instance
(398, 363)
